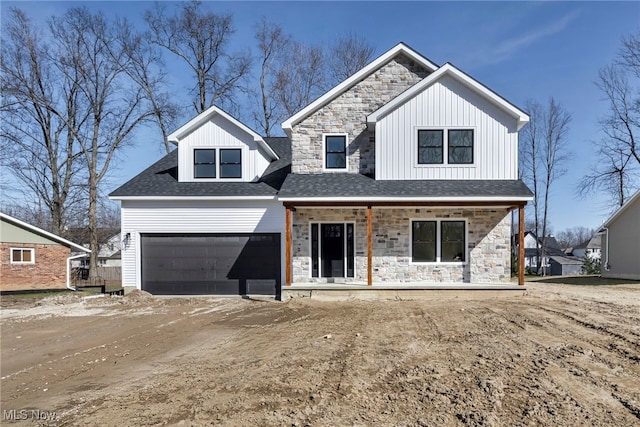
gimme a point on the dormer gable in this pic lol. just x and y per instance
(216, 147)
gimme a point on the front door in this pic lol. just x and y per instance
(332, 250)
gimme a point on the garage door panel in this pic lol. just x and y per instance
(218, 264)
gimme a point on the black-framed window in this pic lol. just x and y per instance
(424, 241)
(430, 144)
(335, 151)
(204, 163)
(438, 241)
(460, 142)
(230, 163)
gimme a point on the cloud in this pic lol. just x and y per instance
(505, 49)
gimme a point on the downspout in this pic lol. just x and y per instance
(606, 261)
(69, 269)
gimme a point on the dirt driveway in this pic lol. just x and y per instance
(557, 356)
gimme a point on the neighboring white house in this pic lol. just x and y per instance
(405, 173)
(532, 244)
(621, 241)
(589, 249)
(108, 255)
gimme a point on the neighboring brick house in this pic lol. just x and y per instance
(403, 174)
(32, 258)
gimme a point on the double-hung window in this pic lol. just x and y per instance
(438, 241)
(217, 163)
(22, 256)
(335, 152)
(432, 143)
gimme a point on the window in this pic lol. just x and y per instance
(217, 163)
(438, 241)
(335, 151)
(230, 163)
(204, 163)
(22, 256)
(431, 143)
(460, 146)
(429, 147)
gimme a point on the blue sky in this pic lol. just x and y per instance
(521, 50)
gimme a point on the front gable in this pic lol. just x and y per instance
(418, 134)
(215, 147)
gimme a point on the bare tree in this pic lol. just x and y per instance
(574, 236)
(303, 80)
(201, 40)
(37, 145)
(111, 105)
(542, 150)
(617, 171)
(347, 55)
(273, 46)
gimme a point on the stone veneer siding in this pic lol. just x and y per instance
(48, 272)
(488, 242)
(348, 113)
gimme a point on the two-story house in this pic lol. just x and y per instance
(405, 174)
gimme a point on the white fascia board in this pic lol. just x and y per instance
(623, 208)
(42, 232)
(450, 70)
(406, 199)
(208, 198)
(206, 115)
(288, 124)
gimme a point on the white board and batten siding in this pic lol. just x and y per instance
(220, 133)
(185, 217)
(447, 104)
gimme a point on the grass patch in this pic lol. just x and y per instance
(581, 280)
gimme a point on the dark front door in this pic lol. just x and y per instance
(215, 264)
(332, 250)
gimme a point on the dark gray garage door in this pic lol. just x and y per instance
(217, 264)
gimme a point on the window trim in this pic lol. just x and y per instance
(438, 222)
(33, 255)
(219, 158)
(218, 164)
(324, 152)
(445, 147)
(345, 260)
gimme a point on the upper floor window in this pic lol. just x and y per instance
(204, 163)
(335, 152)
(438, 241)
(230, 163)
(431, 143)
(22, 256)
(214, 163)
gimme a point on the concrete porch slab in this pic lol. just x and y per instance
(336, 292)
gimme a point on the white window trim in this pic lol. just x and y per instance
(439, 241)
(324, 152)
(310, 258)
(33, 255)
(445, 147)
(243, 159)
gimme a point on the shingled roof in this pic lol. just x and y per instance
(342, 185)
(161, 179)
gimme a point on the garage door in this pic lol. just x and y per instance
(215, 264)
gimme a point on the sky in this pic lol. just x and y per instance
(521, 50)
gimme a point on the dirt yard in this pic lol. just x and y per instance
(556, 355)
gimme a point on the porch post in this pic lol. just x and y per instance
(287, 247)
(521, 245)
(369, 247)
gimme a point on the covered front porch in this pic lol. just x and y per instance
(397, 249)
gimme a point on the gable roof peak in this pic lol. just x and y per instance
(400, 48)
(209, 113)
